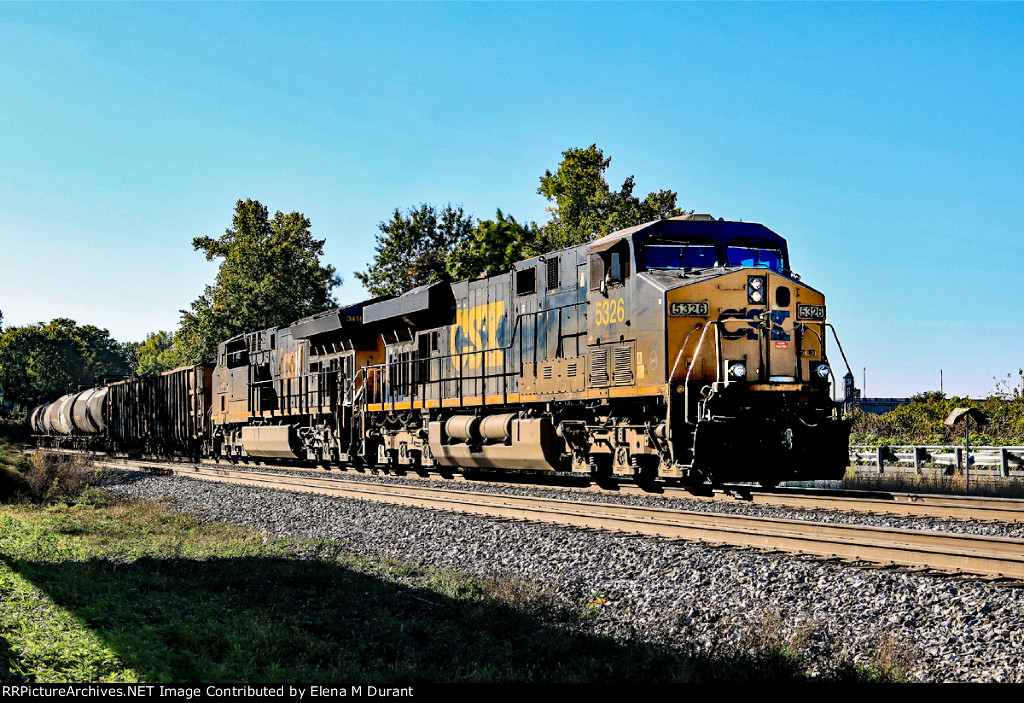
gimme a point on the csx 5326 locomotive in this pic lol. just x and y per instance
(683, 348)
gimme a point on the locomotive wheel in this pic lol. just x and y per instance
(772, 477)
(601, 470)
(645, 472)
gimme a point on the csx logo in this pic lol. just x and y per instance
(754, 316)
(476, 329)
(609, 311)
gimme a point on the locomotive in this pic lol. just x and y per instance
(684, 349)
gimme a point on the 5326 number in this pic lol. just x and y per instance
(609, 311)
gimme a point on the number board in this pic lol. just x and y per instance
(689, 309)
(810, 312)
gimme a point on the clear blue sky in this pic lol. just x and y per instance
(883, 140)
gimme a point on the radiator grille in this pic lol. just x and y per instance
(599, 367)
(553, 271)
(622, 373)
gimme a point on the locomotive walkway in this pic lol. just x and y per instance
(995, 557)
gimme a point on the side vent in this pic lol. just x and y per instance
(546, 371)
(570, 370)
(622, 374)
(553, 271)
(599, 367)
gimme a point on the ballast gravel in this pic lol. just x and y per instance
(938, 629)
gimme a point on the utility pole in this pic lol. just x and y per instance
(940, 382)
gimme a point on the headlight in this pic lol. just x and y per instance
(822, 370)
(738, 369)
(755, 289)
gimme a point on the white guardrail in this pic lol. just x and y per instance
(994, 462)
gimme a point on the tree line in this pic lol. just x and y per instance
(271, 274)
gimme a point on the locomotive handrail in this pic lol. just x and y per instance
(821, 343)
(389, 397)
(719, 372)
(841, 352)
(444, 375)
(689, 369)
(682, 348)
(535, 314)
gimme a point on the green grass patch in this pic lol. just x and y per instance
(42, 477)
(134, 592)
(14, 464)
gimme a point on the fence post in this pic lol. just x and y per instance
(919, 453)
(880, 458)
(1004, 462)
(958, 452)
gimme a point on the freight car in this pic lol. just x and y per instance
(685, 349)
(161, 414)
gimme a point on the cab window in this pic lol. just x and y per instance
(674, 253)
(610, 267)
(755, 256)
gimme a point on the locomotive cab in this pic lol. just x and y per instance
(750, 381)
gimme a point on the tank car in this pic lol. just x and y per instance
(683, 348)
(163, 414)
(74, 421)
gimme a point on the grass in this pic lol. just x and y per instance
(93, 590)
(933, 481)
(133, 592)
(42, 478)
(14, 465)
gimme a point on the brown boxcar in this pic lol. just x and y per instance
(161, 414)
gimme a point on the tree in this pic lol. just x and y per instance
(413, 250)
(493, 247)
(39, 363)
(426, 246)
(156, 354)
(1010, 388)
(270, 276)
(584, 207)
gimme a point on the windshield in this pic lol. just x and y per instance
(755, 256)
(678, 255)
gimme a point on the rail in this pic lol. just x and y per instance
(984, 462)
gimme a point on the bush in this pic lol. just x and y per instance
(920, 422)
(52, 477)
(14, 427)
(13, 466)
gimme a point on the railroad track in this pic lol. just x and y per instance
(943, 507)
(954, 553)
(946, 507)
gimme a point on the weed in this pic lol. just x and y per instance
(890, 659)
(53, 477)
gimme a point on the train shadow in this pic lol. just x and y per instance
(263, 619)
